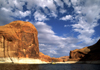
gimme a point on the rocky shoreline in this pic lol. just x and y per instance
(22, 61)
(37, 61)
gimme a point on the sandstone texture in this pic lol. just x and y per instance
(19, 39)
(90, 53)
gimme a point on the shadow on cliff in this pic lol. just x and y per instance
(90, 53)
(93, 54)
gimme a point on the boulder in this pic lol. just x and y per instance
(90, 53)
(19, 39)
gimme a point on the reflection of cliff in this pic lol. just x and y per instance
(91, 53)
(19, 67)
(19, 39)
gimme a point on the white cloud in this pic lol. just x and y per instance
(41, 3)
(67, 17)
(44, 28)
(43, 45)
(59, 3)
(78, 9)
(86, 30)
(87, 15)
(66, 25)
(53, 52)
(4, 16)
(27, 20)
(5, 9)
(18, 14)
(40, 16)
(87, 8)
(44, 4)
(53, 14)
(9, 4)
(62, 11)
(67, 2)
(51, 42)
(17, 6)
(76, 2)
(24, 14)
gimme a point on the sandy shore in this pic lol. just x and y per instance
(37, 61)
(22, 61)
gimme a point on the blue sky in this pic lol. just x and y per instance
(63, 25)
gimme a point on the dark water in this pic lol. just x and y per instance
(50, 67)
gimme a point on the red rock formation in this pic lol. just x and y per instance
(48, 58)
(91, 53)
(65, 58)
(56, 59)
(19, 39)
(44, 57)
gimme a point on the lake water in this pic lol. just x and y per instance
(49, 67)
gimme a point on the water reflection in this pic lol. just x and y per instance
(54, 67)
(85, 67)
(19, 67)
(49, 67)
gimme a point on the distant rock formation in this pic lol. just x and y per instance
(19, 39)
(91, 53)
(48, 58)
(65, 58)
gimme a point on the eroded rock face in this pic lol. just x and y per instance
(19, 39)
(91, 53)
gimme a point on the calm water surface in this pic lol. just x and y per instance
(50, 67)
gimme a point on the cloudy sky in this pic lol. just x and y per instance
(62, 25)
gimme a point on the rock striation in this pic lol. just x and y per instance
(19, 39)
(90, 53)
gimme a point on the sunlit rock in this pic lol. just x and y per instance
(19, 39)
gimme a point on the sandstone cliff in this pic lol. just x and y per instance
(91, 53)
(19, 39)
